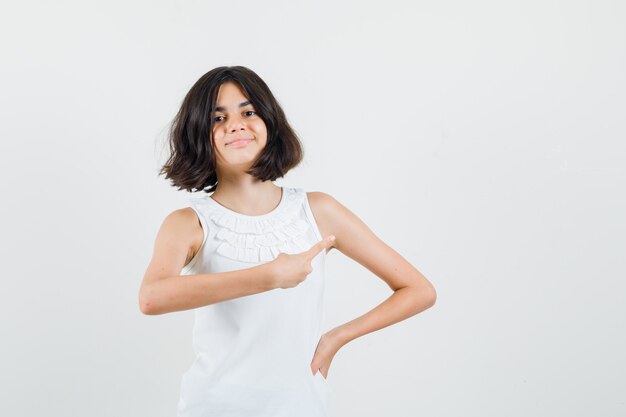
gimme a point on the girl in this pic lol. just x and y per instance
(248, 256)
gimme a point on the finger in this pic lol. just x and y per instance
(323, 244)
(316, 368)
(320, 246)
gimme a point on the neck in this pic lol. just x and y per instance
(246, 194)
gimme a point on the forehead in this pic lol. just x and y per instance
(230, 94)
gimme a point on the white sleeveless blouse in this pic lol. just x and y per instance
(253, 353)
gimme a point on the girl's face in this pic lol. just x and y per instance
(239, 135)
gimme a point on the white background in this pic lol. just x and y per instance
(482, 140)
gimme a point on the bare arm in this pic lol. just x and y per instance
(412, 292)
(164, 290)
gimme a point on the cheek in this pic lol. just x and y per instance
(262, 135)
(217, 138)
(261, 128)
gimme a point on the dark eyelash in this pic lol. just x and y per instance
(247, 111)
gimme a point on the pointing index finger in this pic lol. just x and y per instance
(321, 245)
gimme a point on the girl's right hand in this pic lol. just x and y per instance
(290, 270)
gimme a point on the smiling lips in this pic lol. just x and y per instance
(239, 142)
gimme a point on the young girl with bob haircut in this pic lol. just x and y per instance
(248, 256)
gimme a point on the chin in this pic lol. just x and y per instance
(242, 161)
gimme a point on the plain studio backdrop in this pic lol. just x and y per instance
(483, 140)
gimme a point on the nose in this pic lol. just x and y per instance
(235, 123)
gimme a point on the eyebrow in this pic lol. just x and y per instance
(242, 104)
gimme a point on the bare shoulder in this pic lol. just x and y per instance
(325, 204)
(326, 207)
(321, 204)
(184, 225)
(320, 200)
(183, 218)
(331, 216)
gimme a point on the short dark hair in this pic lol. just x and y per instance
(191, 164)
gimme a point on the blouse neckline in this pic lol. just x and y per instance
(258, 238)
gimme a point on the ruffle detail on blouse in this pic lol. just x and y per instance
(257, 240)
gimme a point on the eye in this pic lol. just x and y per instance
(216, 118)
